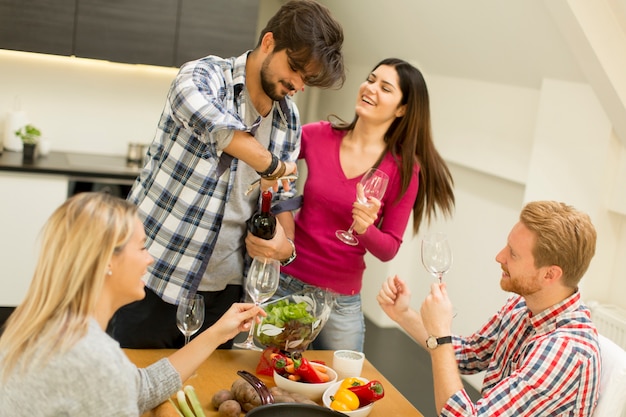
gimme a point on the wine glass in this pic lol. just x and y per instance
(190, 315)
(436, 254)
(373, 184)
(261, 284)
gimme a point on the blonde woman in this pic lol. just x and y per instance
(55, 356)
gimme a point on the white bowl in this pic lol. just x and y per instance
(310, 390)
(359, 412)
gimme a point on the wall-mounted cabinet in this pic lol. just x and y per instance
(137, 31)
(218, 27)
(155, 32)
(38, 26)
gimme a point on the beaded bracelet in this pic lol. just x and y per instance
(270, 168)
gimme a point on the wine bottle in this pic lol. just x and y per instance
(263, 223)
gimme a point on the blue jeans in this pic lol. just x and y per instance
(345, 328)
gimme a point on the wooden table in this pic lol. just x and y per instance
(220, 370)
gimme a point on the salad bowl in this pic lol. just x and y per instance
(294, 321)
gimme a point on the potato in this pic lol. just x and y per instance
(283, 399)
(307, 401)
(229, 408)
(220, 396)
(299, 398)
(245, 394)
(279, 391)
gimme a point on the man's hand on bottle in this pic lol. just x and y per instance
(276, 248)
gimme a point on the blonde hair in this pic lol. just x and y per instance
(77, 244)
(565, 237)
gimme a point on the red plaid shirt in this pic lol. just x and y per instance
(543, 365)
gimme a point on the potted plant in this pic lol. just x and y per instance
(30, 138)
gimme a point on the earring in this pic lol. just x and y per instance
(109, 272)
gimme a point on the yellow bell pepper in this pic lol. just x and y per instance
(344, 400)
(351, 382)
(339, 406)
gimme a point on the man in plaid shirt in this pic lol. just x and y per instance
(540, 352)
(225, 123)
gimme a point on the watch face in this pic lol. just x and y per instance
(431, 342)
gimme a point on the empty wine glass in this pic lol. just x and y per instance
(436, 254)
(261, 284)
(374, 184)
(190, 315)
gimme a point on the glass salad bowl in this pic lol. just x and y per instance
(294, 321)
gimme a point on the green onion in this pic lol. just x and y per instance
(182, 403)
(193, 400)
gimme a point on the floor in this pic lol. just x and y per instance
(405, 364)
(5, 312)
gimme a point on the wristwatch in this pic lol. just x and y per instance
(293, 254)
(432, 342)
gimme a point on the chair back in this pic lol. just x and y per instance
(612, 398)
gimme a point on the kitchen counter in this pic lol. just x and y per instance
(75, 165)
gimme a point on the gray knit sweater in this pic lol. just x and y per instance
(95, 378)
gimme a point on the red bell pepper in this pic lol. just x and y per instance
(307, 371)
(368, 393)
(280, 362)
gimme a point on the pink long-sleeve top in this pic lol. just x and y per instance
(323, 260)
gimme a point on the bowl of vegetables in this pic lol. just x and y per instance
(294, 321)
(354, 397)
(310, 379)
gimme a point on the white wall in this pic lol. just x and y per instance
(508, 145)
(499, 133)
(495, 134)
(505, 145)
(84, 105)
(573, 160)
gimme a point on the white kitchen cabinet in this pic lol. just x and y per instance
(27, 201)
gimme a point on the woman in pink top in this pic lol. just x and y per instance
(391, 131)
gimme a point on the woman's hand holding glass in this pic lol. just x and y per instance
(371, 187)
(261, 283)
(190, 315)
(364, 214)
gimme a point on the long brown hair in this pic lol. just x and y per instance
(409, 139)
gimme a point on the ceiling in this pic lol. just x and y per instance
(512, 42)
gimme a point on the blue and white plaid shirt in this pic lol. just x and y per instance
(184, 188)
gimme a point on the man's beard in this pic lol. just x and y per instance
(524, 286)
(269, 88)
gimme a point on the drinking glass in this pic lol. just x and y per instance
(261, 284)
(436, 254)
(373, 184)
(190, 315)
